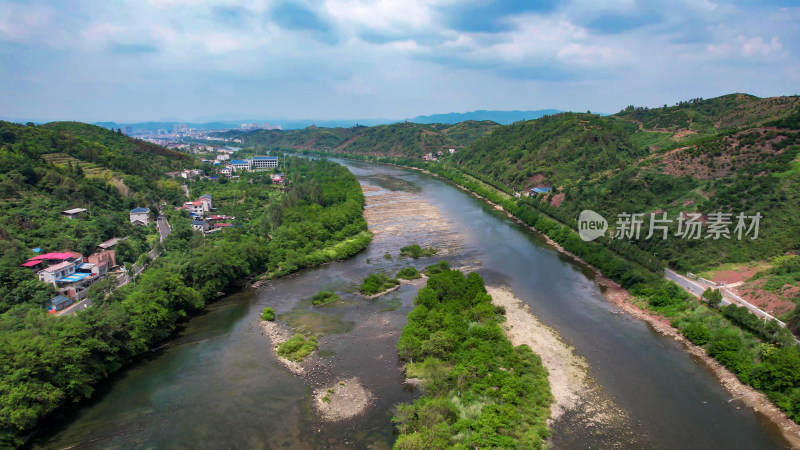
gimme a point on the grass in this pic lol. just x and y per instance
(377, 282)
(409, 273)
(298, 347)
(415, 251)
(324, 297)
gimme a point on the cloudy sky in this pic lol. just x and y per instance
(333, 59)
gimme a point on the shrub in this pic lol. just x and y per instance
(408, 273)
(298, 347)
(268, 314)
(415, 251)
(377, 282)
(324, 297)
(698, 333)
(439, 267)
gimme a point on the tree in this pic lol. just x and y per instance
(713, 297)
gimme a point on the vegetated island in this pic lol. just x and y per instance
(415, 251)
(408, 273)
(377, 284)
(480, 390)
(289, 349)
(324, 297)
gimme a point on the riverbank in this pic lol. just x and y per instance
(620, 297)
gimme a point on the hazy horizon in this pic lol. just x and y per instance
(348, 59)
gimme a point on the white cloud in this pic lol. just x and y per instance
(25, 22)
(757, 47)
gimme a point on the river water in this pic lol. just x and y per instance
(217, 385)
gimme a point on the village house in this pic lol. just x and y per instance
(140, 216)
(195, 208)
(227, 170)
(59, 302)
(200, 225)
(56, 272)
(452, 150)
(241, 164)
(103, 261)
(206, 199)
(73, 213)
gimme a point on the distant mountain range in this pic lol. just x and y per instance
(227, 124)
(501, 117)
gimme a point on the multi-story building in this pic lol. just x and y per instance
(241, 164)
(140, 216)
(265, 162)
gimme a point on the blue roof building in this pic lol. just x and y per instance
(541, 190)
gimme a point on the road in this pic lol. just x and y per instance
(727, 298)
(163, 227)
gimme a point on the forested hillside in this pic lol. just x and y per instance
(47, 169)
(399, 139)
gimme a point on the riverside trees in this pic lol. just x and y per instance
(48, 362)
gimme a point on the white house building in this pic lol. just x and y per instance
(265, 162)
(206, 199)
(241, 164)
(140, 216)
(56, 272)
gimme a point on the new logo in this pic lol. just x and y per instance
(591, 225)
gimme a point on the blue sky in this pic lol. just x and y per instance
(333, 59)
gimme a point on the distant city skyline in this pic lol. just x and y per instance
(271, 60)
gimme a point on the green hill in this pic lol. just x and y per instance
(47, 169)
(399, 139)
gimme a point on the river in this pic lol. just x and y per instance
(216, 383)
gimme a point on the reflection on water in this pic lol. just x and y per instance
(217, 385)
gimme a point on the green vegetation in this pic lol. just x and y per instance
(713, 297)
(415, 251)
(45, 170)
(399, 139)
(324, 297)
(732, 154)
(297, 347)
(375, 283)
(268, 314)
(732, 336)
(436, 268)
(49, 362)
(480, 391)
(408, 273)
